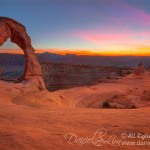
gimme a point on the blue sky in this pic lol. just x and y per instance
(95, 25)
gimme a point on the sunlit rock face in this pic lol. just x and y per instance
(10, 28)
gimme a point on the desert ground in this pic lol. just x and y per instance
(76, 118)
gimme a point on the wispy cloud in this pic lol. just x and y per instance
(114, 38)
(137, 15)
(120, 28)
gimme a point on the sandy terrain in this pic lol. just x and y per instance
(68, 119)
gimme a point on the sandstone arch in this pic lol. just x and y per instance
(9, 28)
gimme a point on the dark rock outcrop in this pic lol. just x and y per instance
(0, 72)
(139, 69)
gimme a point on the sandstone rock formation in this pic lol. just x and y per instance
(12, 29)
(60, 75)
(139, 69)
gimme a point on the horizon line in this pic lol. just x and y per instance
(74, 52)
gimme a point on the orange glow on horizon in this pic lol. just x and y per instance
(138, 52)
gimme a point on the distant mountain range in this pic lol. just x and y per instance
(131, 61)
(11, 59)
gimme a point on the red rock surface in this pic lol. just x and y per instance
(40, 120)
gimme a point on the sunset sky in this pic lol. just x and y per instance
(105, 27)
